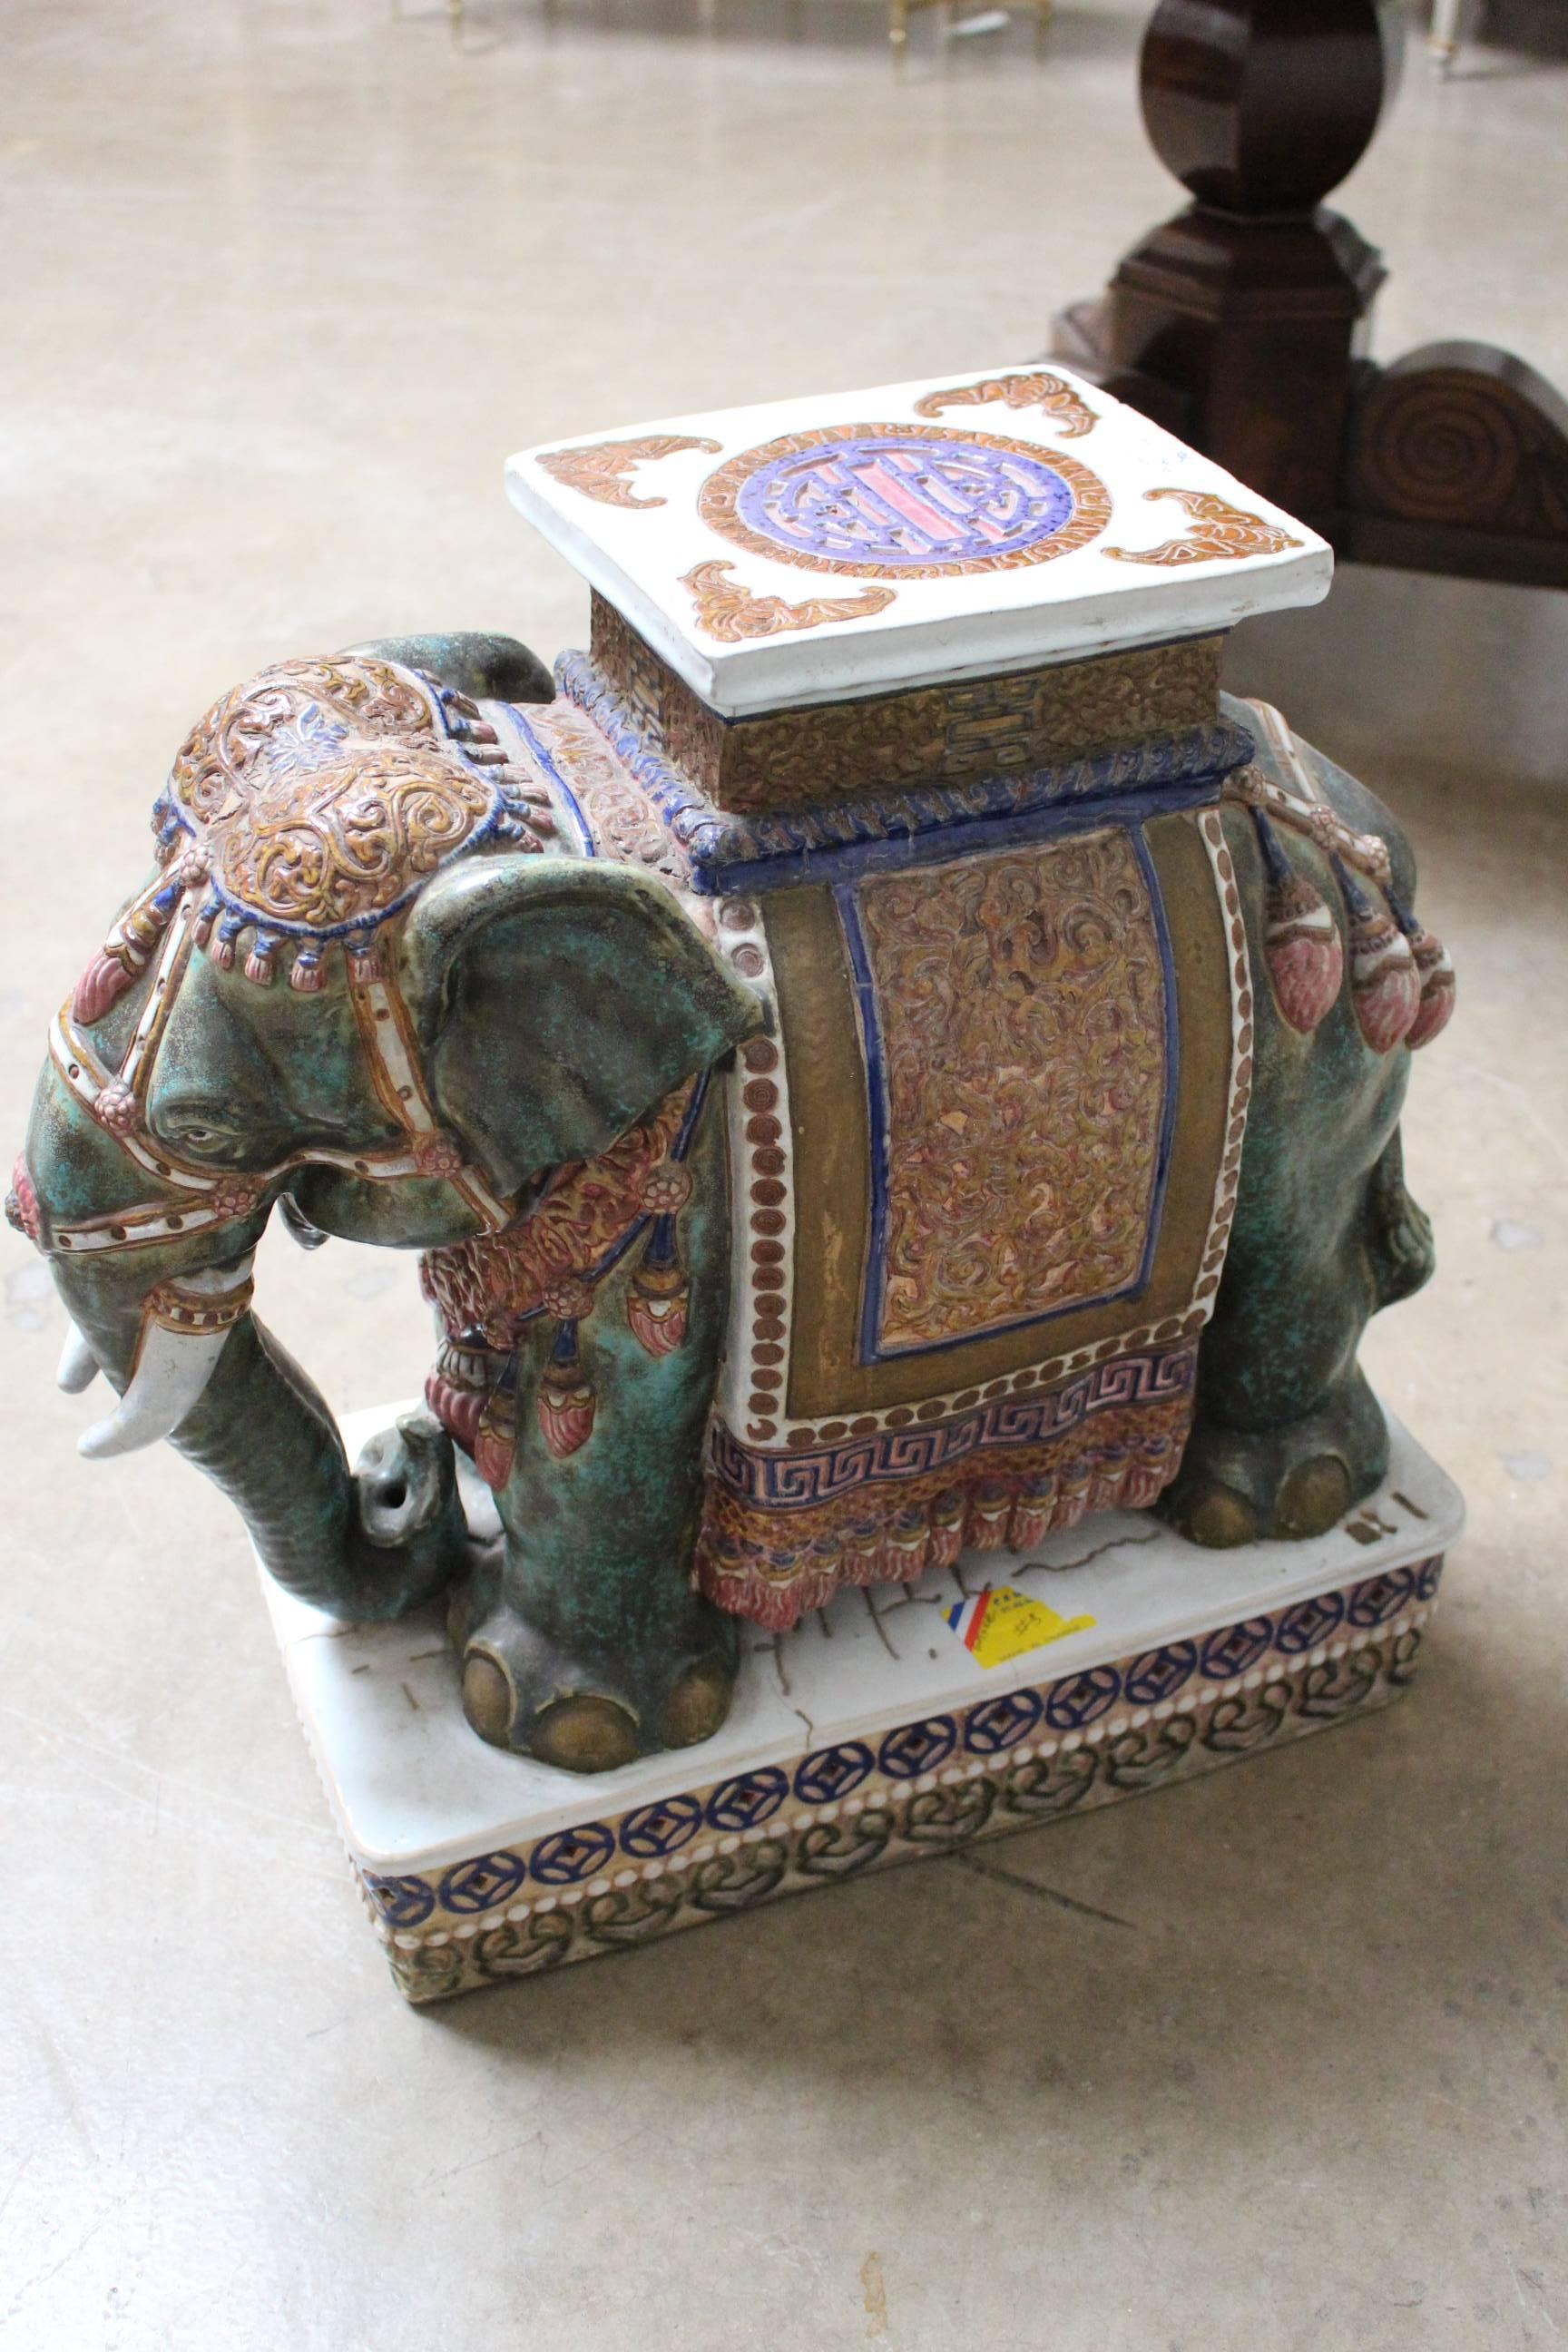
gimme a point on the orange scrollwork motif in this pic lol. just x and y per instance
(217, 761)
(493, 1282)
(1022, 1005)
(319, 849)
(322, 790)
(1071, 417)
(1218, 531)
(602, 470)
(728, 609)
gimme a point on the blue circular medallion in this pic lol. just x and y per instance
(832, 1772)
(659, 1829)
(917, 1748)
(1380, 1598)
(1001, 1723)
(746, 1802)
(1234, 1648)
(1082, 1698)
(1309, 1623)
(904, 500)
(1159, 1675)
(480, 1885)
(571, 1855)
(403, 1902)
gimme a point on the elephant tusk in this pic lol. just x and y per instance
(172, 1368)
(79, 1365)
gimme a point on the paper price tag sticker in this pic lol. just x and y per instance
(1002, 1623)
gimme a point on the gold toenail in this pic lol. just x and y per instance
(1314, 1496)
(699, 1704)
(585, 1734)
(486, 1698)
(1219, 1518)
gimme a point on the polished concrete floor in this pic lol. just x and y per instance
(284, 283)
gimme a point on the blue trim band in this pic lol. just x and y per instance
(537, 751)
(729, 853)
(869, 1348)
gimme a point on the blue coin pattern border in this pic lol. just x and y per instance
(746, 1802)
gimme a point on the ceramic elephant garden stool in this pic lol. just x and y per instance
(879, 1056)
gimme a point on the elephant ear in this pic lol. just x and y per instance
(556, 1001)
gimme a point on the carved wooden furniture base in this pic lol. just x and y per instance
(1242, 325)
(870, 1734)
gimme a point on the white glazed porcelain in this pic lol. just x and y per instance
(414, 1790)
(639, 516)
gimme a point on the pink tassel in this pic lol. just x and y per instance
(1072, 1497)
(458, 1410)
(566, 1416)
(1305, 960)
(902, 1556)
(990, 1514)
(103, 983)
(567, 1401)
(658, 1318)
(22, 1208)
(1107, 1473)
(1031, 1521)
(947, 1517)
(1386, 987)
(1437, 988)
(660, 1295)
(1301, 939)
(495, 1437)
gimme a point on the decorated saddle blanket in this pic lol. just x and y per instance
(983, 1166)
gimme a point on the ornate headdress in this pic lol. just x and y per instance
(312, 803)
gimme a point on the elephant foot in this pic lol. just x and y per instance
(524, 1692)
(1238, 1487)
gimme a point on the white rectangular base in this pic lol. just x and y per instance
(869, 1735)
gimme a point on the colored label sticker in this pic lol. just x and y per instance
(1002, 1623)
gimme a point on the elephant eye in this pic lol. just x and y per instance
(200, 1133)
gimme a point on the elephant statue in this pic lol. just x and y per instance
(779, 1237)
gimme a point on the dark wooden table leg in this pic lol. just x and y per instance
(1242, 323)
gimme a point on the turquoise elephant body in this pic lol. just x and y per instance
(726, 1325)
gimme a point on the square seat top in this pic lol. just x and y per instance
(810, 551)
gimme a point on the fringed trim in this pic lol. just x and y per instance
(459, 1387)
(773, 1566)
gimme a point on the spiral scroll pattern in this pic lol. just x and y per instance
(1439, 448)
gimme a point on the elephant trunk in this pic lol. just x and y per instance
(369, 1544)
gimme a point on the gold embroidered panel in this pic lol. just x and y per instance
(952, 734)
(823, 1368)
(1014, 1019)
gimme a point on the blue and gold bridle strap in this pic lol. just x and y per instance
(197, 1197)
